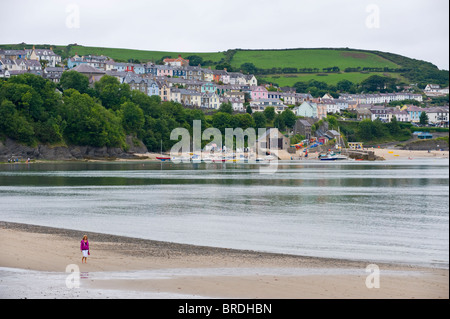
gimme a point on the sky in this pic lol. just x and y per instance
(414, 28)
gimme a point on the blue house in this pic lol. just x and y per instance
(139, 69)
(152, 88)
(208, 87)
(150, 68)
(414, 113)
(274, 95)
(74, 62)
(179, 72)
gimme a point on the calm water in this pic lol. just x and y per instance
(379, 211)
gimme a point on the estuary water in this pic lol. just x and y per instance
(389, 211)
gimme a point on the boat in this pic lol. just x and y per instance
(270, 158)
(332, 156)
(196, 158)
(163, 158)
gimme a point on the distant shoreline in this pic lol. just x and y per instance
(386, 153)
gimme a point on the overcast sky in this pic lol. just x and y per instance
(414, 28)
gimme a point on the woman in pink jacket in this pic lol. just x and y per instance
(84, 246)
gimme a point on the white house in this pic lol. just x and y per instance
(379, 112)
(44, 54)
(401, 116)
(250, 80)
(435, 90)
(437, 115)
(211, 101)
(236, 103)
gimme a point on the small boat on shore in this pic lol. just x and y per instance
(163, 158)
(333, 157)
(196, 158)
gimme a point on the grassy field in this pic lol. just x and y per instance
(310, 58)
(332, 79)
(264, 59)
(143, 56)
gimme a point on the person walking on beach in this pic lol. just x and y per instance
(84, 246)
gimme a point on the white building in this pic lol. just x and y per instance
(437, 115)
(44, 54)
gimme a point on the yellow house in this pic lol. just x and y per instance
(208, 75)
(164, 91)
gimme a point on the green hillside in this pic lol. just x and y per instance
(141, 55)
(284, 67)
(331, 79)
(311, 58)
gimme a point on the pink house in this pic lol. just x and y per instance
(164, 70)
(259, 92)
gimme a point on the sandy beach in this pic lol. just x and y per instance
(122, 267)
(386, 153)
(393, 154)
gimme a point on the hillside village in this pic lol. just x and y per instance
(197, 87)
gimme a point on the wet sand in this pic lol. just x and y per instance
(123, 267)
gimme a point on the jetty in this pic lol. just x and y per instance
(361, 154)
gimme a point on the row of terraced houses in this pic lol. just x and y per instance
(195, 86)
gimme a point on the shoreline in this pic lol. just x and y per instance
(205, 272)
(385, 153)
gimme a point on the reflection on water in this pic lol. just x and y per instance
(379, 211)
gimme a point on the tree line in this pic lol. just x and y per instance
(373, 84)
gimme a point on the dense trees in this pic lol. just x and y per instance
(423, 119)
(377, 83)
(269, 113)
(260, 120)
(195, 60)
(111, 92)
(33, 111)
(372, 84)
(226, 108)
(249, 68)
(14, 124)
(88, 123)
(74, 80)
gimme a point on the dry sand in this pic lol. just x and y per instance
(393, 154)
(122, 267)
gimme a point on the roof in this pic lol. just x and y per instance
(179, 59)
(333, 132)
(304, 122)
(413, 108)
(363, 111)
(86, 68)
